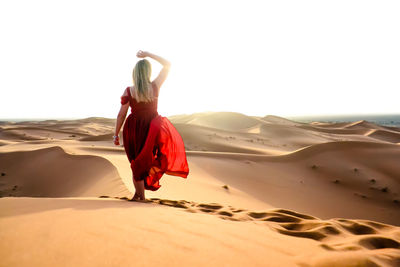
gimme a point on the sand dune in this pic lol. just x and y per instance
(103, 137)
(308, 180)
(202, 138)
(296, 194)
(37, 133)
(56, 129)
(328, 124)
(220, 120)
(363, 125)
(51, 172)
(281, 121)
(332, 130)
(387, 136)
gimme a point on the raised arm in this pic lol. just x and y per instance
(164, 71)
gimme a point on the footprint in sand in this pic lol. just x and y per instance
(257, 215)
(208, 208)
(212, 206)
(282, 218)
(296, 214)
(301, 226)
(376, 225)
(378, 242)
(316, 235)
(357, 228)
(173, 203)
(365, 234)
(225, 213)
(236, 210)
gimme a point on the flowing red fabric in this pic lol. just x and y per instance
(151, 140)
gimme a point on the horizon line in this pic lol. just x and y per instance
(180, 114)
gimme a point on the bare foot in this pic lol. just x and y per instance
(136, 197)
(139, 193)
(142, 197)
(139, 198)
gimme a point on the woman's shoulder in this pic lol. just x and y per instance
(125, 96)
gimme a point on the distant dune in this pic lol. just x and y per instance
(281, 192)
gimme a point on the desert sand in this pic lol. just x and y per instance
(261, 191)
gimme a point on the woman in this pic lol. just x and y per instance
(152, 144)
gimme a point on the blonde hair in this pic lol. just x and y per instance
(141, 79)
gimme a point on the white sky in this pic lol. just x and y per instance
(73, 59)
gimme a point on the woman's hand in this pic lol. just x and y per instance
(116, 140)
(142, 54)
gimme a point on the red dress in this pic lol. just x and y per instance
(151, 140)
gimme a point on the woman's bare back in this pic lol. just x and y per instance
(153, 86)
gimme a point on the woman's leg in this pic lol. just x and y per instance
(140, 189)
(136, 196)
